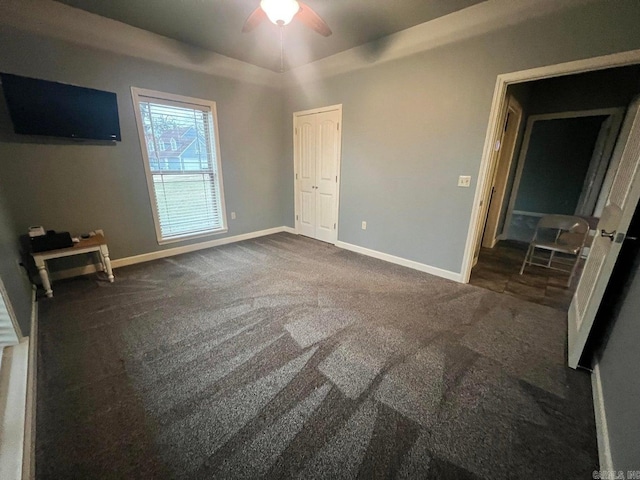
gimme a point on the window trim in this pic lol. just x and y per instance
(180, 100)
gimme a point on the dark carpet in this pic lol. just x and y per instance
(283, 357)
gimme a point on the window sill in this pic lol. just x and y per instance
(183, 238)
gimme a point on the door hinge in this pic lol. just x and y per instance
(296, 217)
(296, 176)
(334, 226)
(338, 126)
(296, 131)
(336, 178)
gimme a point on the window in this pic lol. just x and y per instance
(185, 184)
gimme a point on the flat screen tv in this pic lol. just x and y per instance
(39, 107)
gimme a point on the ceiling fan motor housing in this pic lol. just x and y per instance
(280, 12)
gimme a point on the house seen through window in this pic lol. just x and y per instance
(182, 164)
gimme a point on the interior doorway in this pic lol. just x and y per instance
(592, 102)
(317, 151)
(562, 167)
(513, 82)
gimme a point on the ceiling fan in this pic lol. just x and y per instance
(282, 12)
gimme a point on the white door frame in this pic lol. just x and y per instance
(493, 128)
(610, 112)
(296, 162)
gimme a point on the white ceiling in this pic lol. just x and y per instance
(216, 25)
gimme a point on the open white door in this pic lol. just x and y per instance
(504, 160)
(612, 228)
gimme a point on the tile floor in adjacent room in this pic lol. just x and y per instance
(498, 269)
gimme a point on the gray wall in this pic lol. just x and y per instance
(620, 371)
(13, 276)
(81, 186)
(413, 125)
(555, 168)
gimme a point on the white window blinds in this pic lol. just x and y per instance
(182, 163)
(8, 334)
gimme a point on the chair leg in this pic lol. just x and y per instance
(550, 258)
(524, 262)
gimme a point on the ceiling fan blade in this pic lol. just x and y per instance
(254, 20)
(312, 20)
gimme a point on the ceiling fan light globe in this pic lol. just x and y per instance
(280, 12)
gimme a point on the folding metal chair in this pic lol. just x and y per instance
(558, 234)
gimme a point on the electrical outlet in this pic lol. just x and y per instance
(364, 225)
(464, 181)
(233, 215)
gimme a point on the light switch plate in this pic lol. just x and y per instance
(233, 215)
(464, 181)
(364, 225)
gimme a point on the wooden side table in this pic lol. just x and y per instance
(97, 243)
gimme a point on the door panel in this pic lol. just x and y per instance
(327, 147)
(327, 158)
(307, 172)
(307, 212)
(325, 216)
(307, 149)
(611, 231)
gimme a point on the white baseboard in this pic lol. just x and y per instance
(439, 272)
(168, 252)
(604, 448)
(13, 394)
(29, 455)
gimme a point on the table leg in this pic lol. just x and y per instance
(104, 252)
(44, 276)
(101, 262)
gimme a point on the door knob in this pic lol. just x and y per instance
(609, 235)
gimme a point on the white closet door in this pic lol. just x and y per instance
(326, 174)
(615, 219)
(317, 151)
(306, 145)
